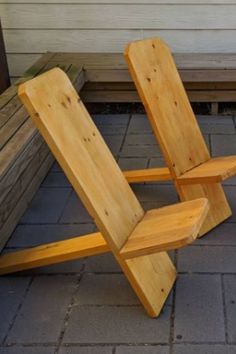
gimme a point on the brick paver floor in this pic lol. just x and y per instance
(87, 306)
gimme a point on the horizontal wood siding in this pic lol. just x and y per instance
(32, 27)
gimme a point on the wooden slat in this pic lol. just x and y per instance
(118, 16)
(166, 228)
(215, 170)
(12, 125)
(10, 153)
(4, 77)
(224, 2)
(15, 188)
(132, 96)
(31, 72)
(72, 40)
(163, 95)
(51, 253)
(148, 175)
(24, 201)
(187, 75)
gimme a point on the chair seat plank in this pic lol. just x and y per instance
(215, 170)
(167, 228)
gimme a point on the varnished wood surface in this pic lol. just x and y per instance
(51, 253)
(167, 228)
(215, 170)
(161, 90)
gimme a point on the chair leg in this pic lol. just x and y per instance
(152, 278)
(219, 207)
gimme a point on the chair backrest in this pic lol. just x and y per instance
(65, 124)
(169, 111)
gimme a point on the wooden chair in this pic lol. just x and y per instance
(137, 239)
(194, 172)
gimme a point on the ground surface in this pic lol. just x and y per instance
(87, 306)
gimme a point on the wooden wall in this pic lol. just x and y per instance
(32, 27)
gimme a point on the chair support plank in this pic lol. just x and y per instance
(148, 175)
(166, 228)
(52, 253)
(215, 170)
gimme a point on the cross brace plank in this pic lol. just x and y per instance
(51, 253)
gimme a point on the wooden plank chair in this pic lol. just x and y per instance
(137, 239)
(194, 172)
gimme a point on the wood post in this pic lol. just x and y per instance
(4, 73)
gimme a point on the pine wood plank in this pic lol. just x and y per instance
(51, 253)
(148, 175)
(167, 228)
(215, 170)
(162, 93)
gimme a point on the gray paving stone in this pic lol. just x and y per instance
(230, 182)
(154, 204)
(56, 179)
(132, 163)
(140, 139)
(12, 291)
(27, 350)
(216, 124)
(34, 235)
(140, 151)
(86, 350)
(139, 123)
(112, 130)
(157, 162)
(56, 168)
(70, 267)
(104, 263)
(230, 192)
(74, 211)
(230, 304)
(46, 206)
(111, 119)
(41, 317)
(224, 234)
(154, 349)
(199, 313)
(207, 259)
(155, 193)
(223, 145)
(203, 349)
(116, 324)
(98, 289)
(114, 143)
(105, 289)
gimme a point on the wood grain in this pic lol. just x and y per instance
(167, 228)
